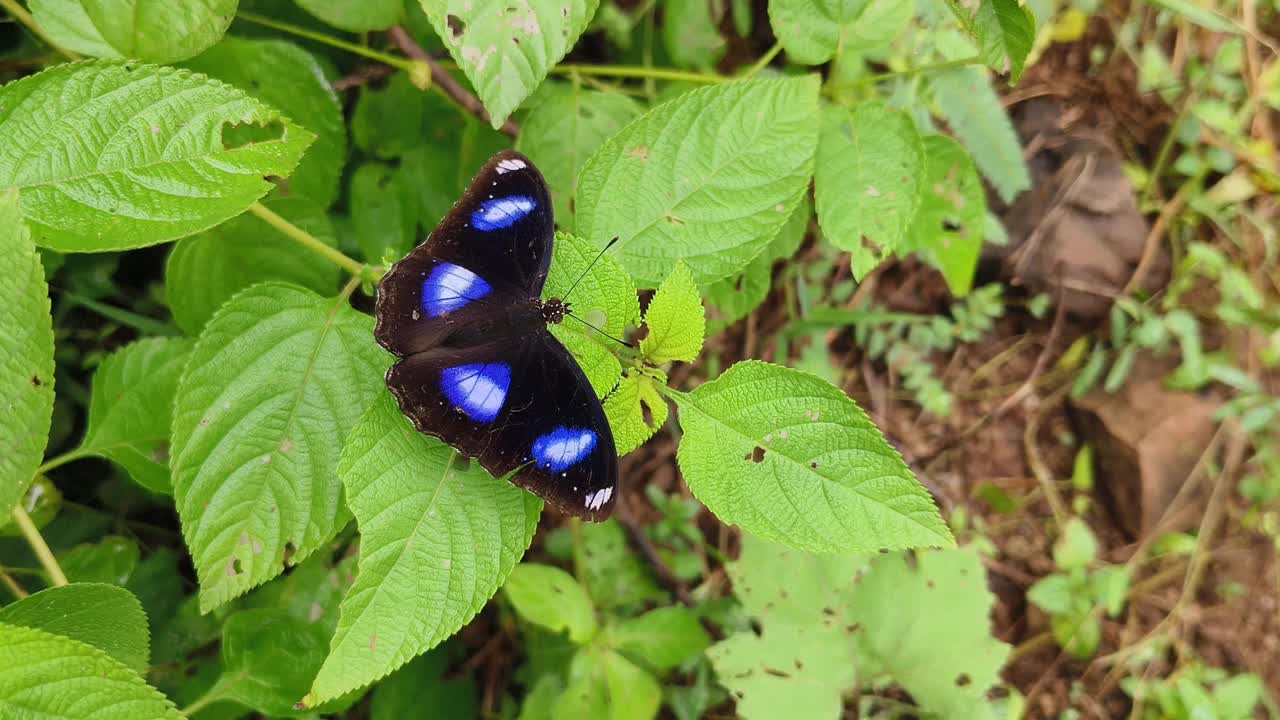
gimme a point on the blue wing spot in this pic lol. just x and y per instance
(563, 448)
(478, 390)
(450, 287)
(503, 212)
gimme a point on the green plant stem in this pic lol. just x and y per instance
(63, 459)
(12, 584)
(307, 240)
(20, 13)
(919, 70)
(211, 696)
(632, 71)
(39, 546)
(763, 62)
(394, 61)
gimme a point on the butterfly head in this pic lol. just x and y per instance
(554, 310)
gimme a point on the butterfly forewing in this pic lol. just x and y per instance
(478, 367)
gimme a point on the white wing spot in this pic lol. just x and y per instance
(510, 164)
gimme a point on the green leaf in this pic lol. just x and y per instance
(1006, 30)
(159, 586)
(437, 538)
(814, 32)
(276, 381)
(636, 411)
(789, 457)
(156, 31)
(675, 319)
(52, 676)
(966, 100)
(131, 408)
(691, 33)
(606, 298)
(1077, 547)
(142, 153)
(550, 597)
(947, 230)
(440, 171)
(207, 270)
(604, 685)
(868, 182)
(269, 657)
(289, 79)
(924, 618)
(617, 580)
(1237, 696)
(311, 592)
(1078, 633)
(26, 357)
(383, 214)
(420, 689)
(734, 297)
(357, 17)
(71, 28)
(390, 121)
(709, 177)
(507, 51)
(1111, 587)
(661, 638)
(564, 129)
(1053, 594)
(107, 617)
(110, 560)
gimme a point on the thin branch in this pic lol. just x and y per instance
(39, 546)
(443, 81)
(306, 239)
(21, 15)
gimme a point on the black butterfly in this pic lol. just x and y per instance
(478, 367)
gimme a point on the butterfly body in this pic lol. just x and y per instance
(478, 367)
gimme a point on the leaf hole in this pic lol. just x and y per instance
(963, 680)
(236, 136)
(234, 567)
(909, 557)
(35, 380)
(755, 456)
(463, 464)
(456, 26)
(289, 551)
(777, 673)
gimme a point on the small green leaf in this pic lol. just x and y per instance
(635, 410)
(383, 213)
(269, 658)
(618, 581)
(156, 31)
(1237, 696)
(661, 638)
(1006, 30)
(131, 408)
(606, 298)
(947, 229)
(357, 17)
(691, 33)
(791, 458)
(709, 177)
(1077, 547)
(1053, 594)
(675, 319)
(110, 560)
(207, 270)
(969, 104)
(550, 597)
(144, 153)
(603, 685)
(276, 381)
(814, 32)
(437, 537)
(869, 181)
(48, 675)
(1077, 633)
(291, 80)
(420, 689)
(390, 121)
(1111, 587)
(26, 357)
(564, 129)
(107, 617)
(506, 53)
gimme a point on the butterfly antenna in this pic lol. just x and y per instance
(593, 327)
(593, 264)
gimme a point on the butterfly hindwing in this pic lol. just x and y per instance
(523, 407)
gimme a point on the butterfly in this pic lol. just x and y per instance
(478, 367)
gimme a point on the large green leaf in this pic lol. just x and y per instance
(289, 79)
(359, 17)
(158, 31)
(26, 357)
(709, 177)
(812, 32)
(788, 456)
(110, 560)
(420, 689)
(276, 381)
(132, 406)
(871, 169)
(505, 48)
(947, 229)
(107, 617)
(50, 676)
(438, 535)
(734, 297)
(391, 120)
(206, 270)
(269, 657)
(115, 155)
(383, 213)
(564, 129)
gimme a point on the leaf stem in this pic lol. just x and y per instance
(632, 71)
(307, 240)
(12, 584)
(918, 70)
(39, 546)
(63, 459)
(20, 13)
(408, 66)
(211, 696)
(763, 62)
